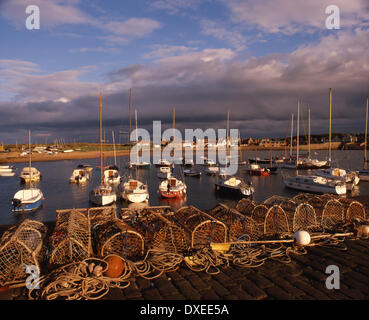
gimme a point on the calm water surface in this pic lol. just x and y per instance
(60, 194)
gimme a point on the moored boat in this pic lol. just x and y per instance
(192, 173)
(7, 171)
(256, 170)
(172, 188)
(315, 184)
(30, 175)
(234, 186)
(103, 195)
(111, 175)
(164, 172)
(79, 176)
(134, 191)
(27, 200)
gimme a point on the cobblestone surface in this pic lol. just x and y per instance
(303, 278)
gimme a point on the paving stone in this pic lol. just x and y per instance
(226, 281)
(253, 290)
(186, 289)
(143, 283)
(310, 290)
(152, 294)
(278, 293)
(231, 297)
(209, 295)
(198, 283)
(115, 294)
(132, 292)
(317, 275)
(241, 294)
(220, 290)
(261, 281)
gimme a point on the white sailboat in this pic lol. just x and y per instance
(28, 200)
(103, 194)
(364, 173)
(134, 190)
(111, 173)
(79, 175)
(30, 174)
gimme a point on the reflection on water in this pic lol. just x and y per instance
(60, 194)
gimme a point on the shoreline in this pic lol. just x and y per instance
(14, 156)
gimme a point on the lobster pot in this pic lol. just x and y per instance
(258, 215)
(21, 246)
(276, 221)
(134, 213)
(333, 214)
(160, 233)
(238, 224)
(96, 214)
(302, 197)
(355, 211)
(202, 228)
(71, 239)
(304, 218)
(318, 203)
(116, 237)
(245, 206)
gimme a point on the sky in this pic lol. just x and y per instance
(256, 58)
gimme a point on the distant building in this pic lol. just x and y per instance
(271, 143)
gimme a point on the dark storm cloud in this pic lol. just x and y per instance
(261, 93)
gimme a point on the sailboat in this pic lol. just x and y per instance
(313, 183)
(103, 194)
(79, 175)
(111, 173)
(30, 174)
(134, 190)
(28, 200)
(364, 173)
(172, 187)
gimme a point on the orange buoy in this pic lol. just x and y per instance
(116, 266)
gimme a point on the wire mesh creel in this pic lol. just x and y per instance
(203, 229)
(159, 231)
(239, 225)
(21, 246)
(71, 240)
(113, 236)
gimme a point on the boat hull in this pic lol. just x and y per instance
(102, 200)
(173, 194)
(135, 197)
(230, 192)
(315, 188)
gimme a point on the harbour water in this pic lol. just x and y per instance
(60, 194)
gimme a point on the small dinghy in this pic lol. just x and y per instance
(27, 200)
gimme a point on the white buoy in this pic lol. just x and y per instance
(302, 238)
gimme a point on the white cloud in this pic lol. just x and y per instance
(289, 17)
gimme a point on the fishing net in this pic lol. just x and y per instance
(238, 224)
(160, 233)
(318, 203)
(304, 218)
(259, 213)
(333, 214)
(202, 227)
(245, 206)
(71, 239)
(21, 246)
(276, 221)
(113, 236)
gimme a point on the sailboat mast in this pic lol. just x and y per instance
(309, 132)
(291, 136)
(115, 155)
(30, 156)
(101, 148)
(130, 114)
(330, 125)
(228, 127)
(174, 120)
(298, 131)
(366, 131)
